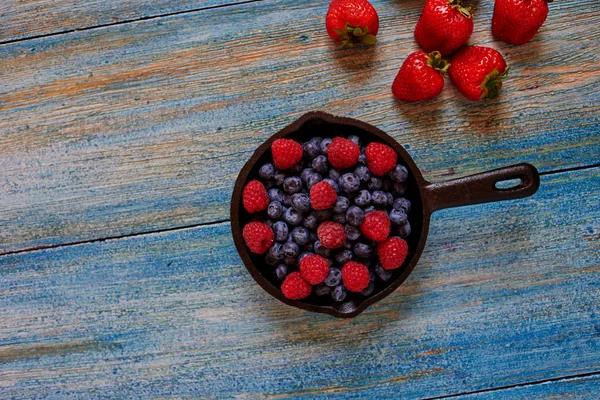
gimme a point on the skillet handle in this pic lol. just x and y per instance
(481, 188)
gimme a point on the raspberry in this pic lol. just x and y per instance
(294, 287)
(355, 276)
(331, 234)
(258, 237)
(314, 269)
(255, 197)
(322, 196)
(342, 153)
(392, 252)
(286, 153)
(376, 226)
(381, 158)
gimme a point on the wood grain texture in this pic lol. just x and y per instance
(505, 294)
(584, 388)
(143, 126)
(25, 19)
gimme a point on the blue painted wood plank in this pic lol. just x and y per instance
(143, 126)
(56, 16)
(583, 388)
(505, 294)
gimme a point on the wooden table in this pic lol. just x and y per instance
(123, 125)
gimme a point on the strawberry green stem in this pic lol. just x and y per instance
(492, 84)
(355, 34)
(435, 61)
(466, 11)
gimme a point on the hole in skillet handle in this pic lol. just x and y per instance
(326, 125)
(509, 184)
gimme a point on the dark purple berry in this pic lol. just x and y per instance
(363, 250)
(266, 171)
(341, 205)
(355, 215)
(313, 179)
(390, 199)
(325, 144)
(292, 185)
(333, 184)
(375, 183)
(281, 272)
(279, 177)
(275, 251)
(354, 139)
(319, 164)
(343, 257)
(404, 230)
(291, 250)
(269, 223)
(382, 274)
(290, 261)
(306, 172)
(322, 250)
(379, 198)
(275, 195)
(301, 202)
(334, 174)
(370, 209)
(399, 173)
(334, 278)
(304, 254)
(363, 173)
(399, 189)
(397, 216)
(280, 230)
(363, 198)
(269, 184)
(321, 289)
(311, 221)
(270, 260)
(402, 203)
(274, 210)
(296, 169)
(301, 235)
(352, 232)
(292, 217)
(310, 149)
(323, 215)
(349, 182)
(339, 218)
(369, 289)
(339, 293)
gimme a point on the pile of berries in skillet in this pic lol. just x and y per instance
(329, 216)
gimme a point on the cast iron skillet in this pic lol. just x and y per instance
(425, 198)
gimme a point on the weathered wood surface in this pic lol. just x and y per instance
(505, 294)
(26, 19)
(143, 126)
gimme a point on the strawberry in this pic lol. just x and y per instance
(420, 77)
(477, 72)
(444, 26)
(352, 21)
(517, 21)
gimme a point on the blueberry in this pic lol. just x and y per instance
(341, 205)
(316, 140)
(280, 230)
(325, 144)
(266, 171)
(402, 203)
(334, 174)
(379, 198)
(369, 289)
(334, 277)
(362, 158)
(304, 254)
(339, 218)
(363, 250)
(296, 169)
(399, 173)
(275, 210)
(301, 202)
(382, 274)
(269, 223)
(292, 217)
(270, 260)
(404, 230)
(333, 184)
(301, 235)
(375, 183)
(311, 221)
(311, 149)
(291, 250)
(370, 209)
(343, 257)
(275, 195)
(355, 139)
(287, 200)
(279, 177)
(363, 173)
(313, 179)
(290, 261)
(321, 289)
(275, 251)
(339, 293)
(281, 272)
(352, 232)
(292, 185)
(363, 198)
(269, 184)
(321, 250)
(349, 182)
(306, 172)
(390, 199)
(399, 189)
(387, 185)
(355, 216)
(323, 215)
(319, 164)
(397, 216)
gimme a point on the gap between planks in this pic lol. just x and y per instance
(516, 385)
(192, 226)
(127, 21)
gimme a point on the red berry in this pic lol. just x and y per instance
(477, 72)
(322, 196)
(355, 276)
(420, 77)
(286, 153)
(258, 237)
(376, 226)
(381, 158)
(331, 234)
(444, 26)
(392, 252)
(343, 153)
(294, 287)
(352, 21)
(314, 269)
(255, 197)
(517, 21)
